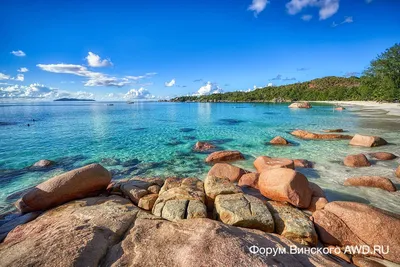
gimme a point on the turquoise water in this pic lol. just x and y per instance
(156, 139)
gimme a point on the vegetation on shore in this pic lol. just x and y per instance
(379, 82)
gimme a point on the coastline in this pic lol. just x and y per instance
(391, 108)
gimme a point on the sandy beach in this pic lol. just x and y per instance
(390, 108)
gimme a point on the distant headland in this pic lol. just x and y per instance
(73, 99)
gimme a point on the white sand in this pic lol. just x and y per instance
(391, 108)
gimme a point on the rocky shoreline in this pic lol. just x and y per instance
(233, 217)
(273, 216)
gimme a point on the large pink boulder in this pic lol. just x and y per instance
(350, 223)
(249, 179)
(287, 185)
(359, 160)
(279, 140)
(367, 141)
(226, 170)
(265, 163)
(315, 136)
(371, 181)
(300, 105)
(224, 156)
(75, 184)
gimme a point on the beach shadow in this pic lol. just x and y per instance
(309, 173)
(229, 121)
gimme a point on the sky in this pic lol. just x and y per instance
(124, 50)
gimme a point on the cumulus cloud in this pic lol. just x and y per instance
(327, 8)
(94, 78)
(306, 17)
(96, 62)
(20, 78)
(269, 85)
(170, 84)
(23, 69)
(140, 93)
(346, 20)
(18, 53)
(209, 88)
(258, 6)
(4, 76)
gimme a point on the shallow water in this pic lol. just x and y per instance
(156, 139)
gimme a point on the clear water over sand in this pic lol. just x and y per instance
(160, 136)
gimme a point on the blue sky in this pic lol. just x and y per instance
(149, 49)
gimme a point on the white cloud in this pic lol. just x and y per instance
(209, 88)
(41, 91)
(96, 62)
(140, 93)
(23, 70)
(306, 17)
(346, 20)
(20, 78)
(258, 6)
(269, 85)
(4, 76)
(327, 8)
(170, 84)
(94, 78)
(18, 53)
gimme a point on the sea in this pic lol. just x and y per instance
(150, 139)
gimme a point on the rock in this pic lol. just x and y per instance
(175, 198)
(249, 179)
(285, 185)
(359, 160)
(224, 156)
(78, 233)
(314, 136)
(300, 105)
(316, 190)
(68, 186)
(293, 223)
(339, 253)
(302, 163)
(397, 172)
(340, 108)
(203, 146)
(133, 192)
(10, 225)
(367, 141)
(204, 242)
(362, 261)
(154, 189)
(225, 170)
(243, 211)
(333, 130)
(215, 186)
(279, 140)
(371, 181)
(265, 163)
(359, 224)
(383, 155)
(43, 163)
(138, 187)
(317, 203)
(147, 202)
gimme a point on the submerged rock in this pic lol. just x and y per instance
(371, 181)
(204, 242)
(186, 130)
(359, 160)
(293, 223)
(225, 170)
(75, 184)
(266, 163)
(333, 130)
(203, 146)
(244, 211)
(78, 233)
(383, 155)
(314, 136)
(224, 156)
(367, 141)
(110, 161)
(279, 140)
(43, 163)
(300, 105)
(303, 163)
(348, 223)
(285, 185)
(249, 179)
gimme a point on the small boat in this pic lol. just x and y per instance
(110, 104)
(130, 102)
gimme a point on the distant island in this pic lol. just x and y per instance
(73, 99)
